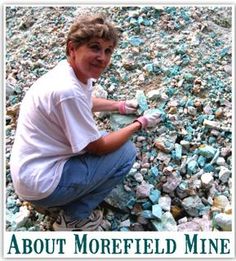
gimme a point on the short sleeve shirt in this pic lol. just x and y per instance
(54, 124)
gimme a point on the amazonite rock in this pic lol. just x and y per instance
(154, 195)
(207, 151)
(142, 101)
(119, 121)
(157, 211)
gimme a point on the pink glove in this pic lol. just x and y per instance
(149, 120)
(128, 107)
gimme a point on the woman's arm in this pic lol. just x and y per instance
(113, 140)
(100, 104)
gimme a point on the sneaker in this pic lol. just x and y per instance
(90, 223)
(52, 212)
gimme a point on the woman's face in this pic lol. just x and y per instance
(90, 59)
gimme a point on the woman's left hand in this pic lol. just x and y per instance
(128, 107)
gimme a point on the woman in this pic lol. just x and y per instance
(59, 157)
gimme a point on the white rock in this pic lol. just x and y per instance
(125, 223)
(224, 174)
(224, 221)
(136, 165)
(138, 177)
(220, 161)
(207, 179)
(22, 216)
(182, 220)
(165, 202)
(154, 94)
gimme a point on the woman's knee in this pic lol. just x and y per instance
(129, 150)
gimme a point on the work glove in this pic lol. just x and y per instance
(149, 120)
(128, 107)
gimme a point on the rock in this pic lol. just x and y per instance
(207, 179)
(220, 202)
(142, 101)
(154, 195)
(164, 157)
(224, 221)
(188, 227)
(157, 211)
(167, 223)
(120, 121)
(192, 167)
(182, 220)
(135, 41)
(99, 92)
(138, 177)
(172, 182)
(21, 217)
(177, 212)
(143, 190)
(125, 223)
(154, 94)
(10, 89)
(228, 69)
(165, 202)
(225, 151)
(220, 161)
(119, 198)
(224, 174)
(193, 205)
(147, 214)
(207, 151)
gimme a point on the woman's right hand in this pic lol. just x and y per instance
(149, 120)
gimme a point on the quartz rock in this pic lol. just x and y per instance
(138, 177)
(165, 202)
(224, 174)
(207, 179)
(22, 216)
(154, 94)
(224, 221)
(220, 161)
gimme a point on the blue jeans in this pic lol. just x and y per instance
(87, 179)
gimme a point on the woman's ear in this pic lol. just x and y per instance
(71, 49)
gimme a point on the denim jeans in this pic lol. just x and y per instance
(87, 179)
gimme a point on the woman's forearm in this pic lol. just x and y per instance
(113, 140)
(101, 104)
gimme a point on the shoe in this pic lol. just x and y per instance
(90, 223)
(52, 211)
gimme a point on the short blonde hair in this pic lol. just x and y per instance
(87, 27)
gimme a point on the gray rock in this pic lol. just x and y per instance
(119, 198)
(193, 205)
(224, 174)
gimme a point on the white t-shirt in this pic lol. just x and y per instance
(54, 124)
